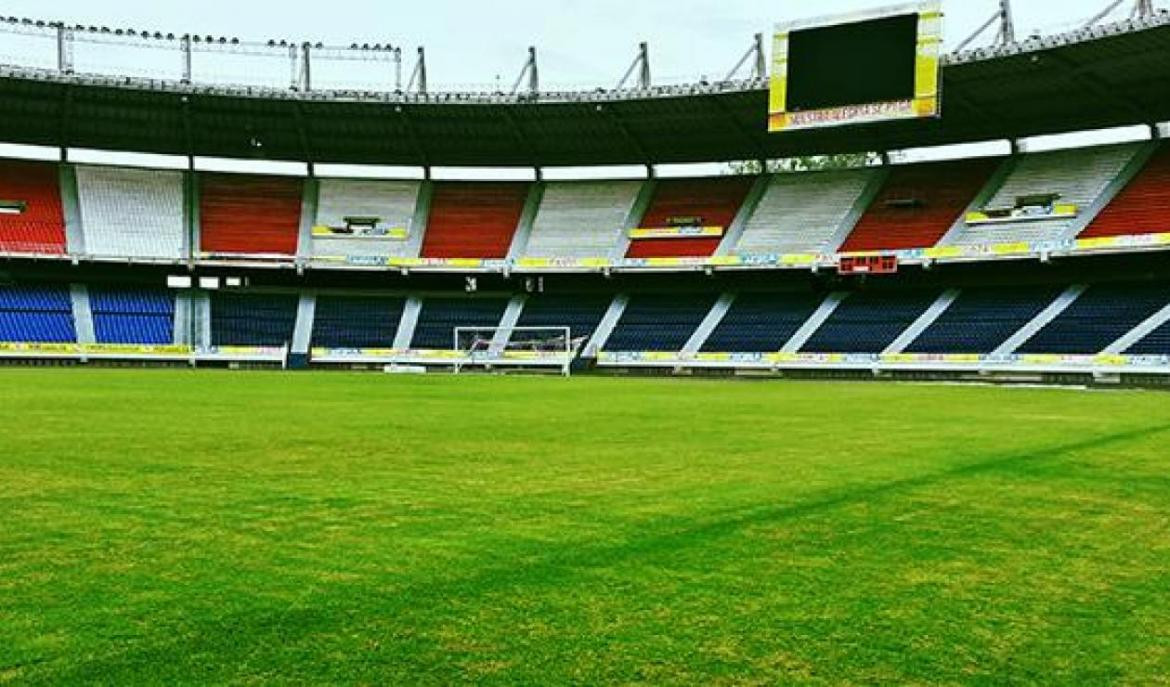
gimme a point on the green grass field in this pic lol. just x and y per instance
(174, 527)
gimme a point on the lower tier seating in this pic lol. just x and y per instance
(33, 221)
(581, 313)
(1100, 317)
(1156, 342)
(440, 316)
(36, 314)
(356, 322)
(252, 319)
(869, 321)
(761, 322)
(981, 319)
(659, 322)
(132, 316)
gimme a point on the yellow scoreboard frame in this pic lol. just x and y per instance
(927, 73)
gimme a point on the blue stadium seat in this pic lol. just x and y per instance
(1100, 317)
(761, 322)
(36, 314)
(659, 322)
(440, 316)
(132, 316)
(250, 319)
(869, 321)
(982, 319)
(356, 322)
(1156, 342)
(580, 313)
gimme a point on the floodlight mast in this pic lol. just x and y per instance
(641, 65)
(754, 55)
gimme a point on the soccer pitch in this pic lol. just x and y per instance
(176, 527)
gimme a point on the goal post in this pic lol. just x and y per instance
(519, 346)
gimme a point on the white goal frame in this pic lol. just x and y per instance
(490, 346)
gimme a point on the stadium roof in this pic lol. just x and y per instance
(1094, 78)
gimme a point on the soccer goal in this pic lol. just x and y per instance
(549, 347)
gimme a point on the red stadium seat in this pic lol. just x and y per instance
(473, 220)
(715, 202)
(250, 214)
(1143, 207)
(33, 221)
(919, 204)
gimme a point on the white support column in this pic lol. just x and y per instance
(1053, 311)
(527, 217)
(1131, 169)
(1134, 336)
(877, 180)
(998, 177)
(637, 212)
(309, 198)
(507, 324)
(201, 313)
(418, 224)
(303, 329)
(82, 314)
(709, 323)
(71, 208)
(750, 203)
(191, 214)
(605, 328)
(407, 323)
(184, 317)
(935, 311)
(814, 322)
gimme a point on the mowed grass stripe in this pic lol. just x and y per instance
(207, 527)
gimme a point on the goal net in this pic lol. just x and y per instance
(521, 346)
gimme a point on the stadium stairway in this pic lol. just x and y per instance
(253, 215)
(711, 202)
(473, 219)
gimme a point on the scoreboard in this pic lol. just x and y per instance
(858, 68)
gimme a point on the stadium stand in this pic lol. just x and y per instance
(869, 321)
(391, 202)
(918, 204)
(252, 319)
(581, 219)
(761, 322)
(473, 220)
(1077, 176)
(659, 322)
(250, 214)
(580, 313)
(356, 322)
(36, 314)
(1101, 316)
(135, 213)
(31, 220)
(711, 202)
(982, 318)
(1143, 207)
(440, 315)
(1156, 342)
(802, 212)
(132, 316)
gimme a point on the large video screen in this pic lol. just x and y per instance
(857, 69)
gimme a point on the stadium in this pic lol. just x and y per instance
(840, 402)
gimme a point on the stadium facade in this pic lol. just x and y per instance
(1029, 265)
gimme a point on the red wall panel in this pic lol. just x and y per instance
(243, 213)
(41, 227)
(473, 219)
(716, 200)
(1143, 207)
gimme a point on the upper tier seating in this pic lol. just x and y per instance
(250, 214)
(1143, 207)
(474, 219)
(714, 202)
(133, 316)
(440, 316)
(659, 322)
(869, 321)
(252, 319)
(356, 321)
(581, 313)
(1156, 342)
(802, 212)
(392, 202)
(1079, 176)
(38, 227)
(36, 314)
(1100, 317)
(981, 319)
(761, 322)
(919, 203)
(136, 213)
(582, 219)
